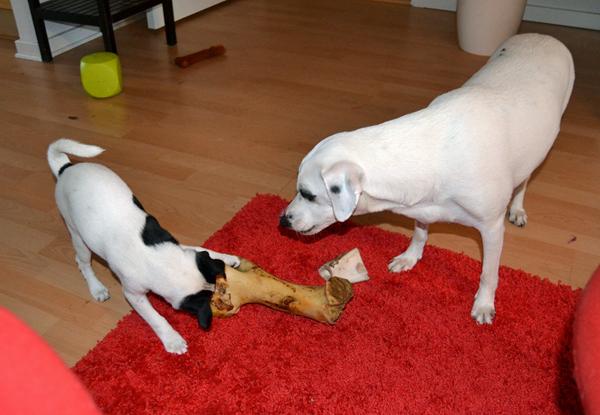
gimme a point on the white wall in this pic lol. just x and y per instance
(63, 37)
(575, 13)
(181, 9)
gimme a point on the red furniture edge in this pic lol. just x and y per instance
(586, 345)
(34, 379)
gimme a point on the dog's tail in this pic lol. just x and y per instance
(58, 150)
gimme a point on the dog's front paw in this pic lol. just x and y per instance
(231, 260)
(403, 262)
(517, 217)
(100, 293)
(174, 343)
(483, 310)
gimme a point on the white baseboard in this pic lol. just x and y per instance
(581, 13)
(449, 5)
(564, 17)
(60, 43)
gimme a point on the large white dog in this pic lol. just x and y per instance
(459, 160)
(103, 216)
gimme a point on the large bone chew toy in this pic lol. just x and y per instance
(251, 284)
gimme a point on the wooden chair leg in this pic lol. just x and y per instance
(169, 22)
(40, 31)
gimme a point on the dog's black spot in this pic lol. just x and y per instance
(307, 195)
(137, 203)
(335, 189)
(503, 50)
(209, 267)
(154, 234)
(64, 167)
(199, 305)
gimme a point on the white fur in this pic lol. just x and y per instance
(99, 212)
(458, 160)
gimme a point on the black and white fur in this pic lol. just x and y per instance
(103, 216)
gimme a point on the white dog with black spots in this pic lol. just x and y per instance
(103, 216)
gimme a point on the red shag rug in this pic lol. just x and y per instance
(404, 345)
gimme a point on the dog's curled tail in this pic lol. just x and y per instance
(58, 150)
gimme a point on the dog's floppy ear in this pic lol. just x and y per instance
(343, 181)
(210, 268)
(199, 305)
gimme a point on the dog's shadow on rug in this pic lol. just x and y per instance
(399, 223)
(338, 229)
(405, 225)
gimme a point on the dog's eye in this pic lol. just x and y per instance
(307, 195)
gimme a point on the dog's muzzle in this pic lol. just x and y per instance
(284, 220)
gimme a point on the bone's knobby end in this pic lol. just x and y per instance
(245, 265)
(221, 299)
(338, 291)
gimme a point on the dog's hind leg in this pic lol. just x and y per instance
(172, 341)
(516, 212)
(492, 236)
(83, 257)
(414, 252)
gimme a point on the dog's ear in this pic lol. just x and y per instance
(199, 305)
(343, 181)
(210, 268)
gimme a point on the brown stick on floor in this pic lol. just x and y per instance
(187, 60)
(251, 284)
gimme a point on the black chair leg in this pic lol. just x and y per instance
(40, 31)
(108, 35)
(106, 26)
(169, 22)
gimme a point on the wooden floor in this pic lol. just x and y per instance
(197, 144)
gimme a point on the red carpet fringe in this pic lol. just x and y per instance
(404, 345)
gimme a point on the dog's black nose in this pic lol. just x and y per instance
(284, 220)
